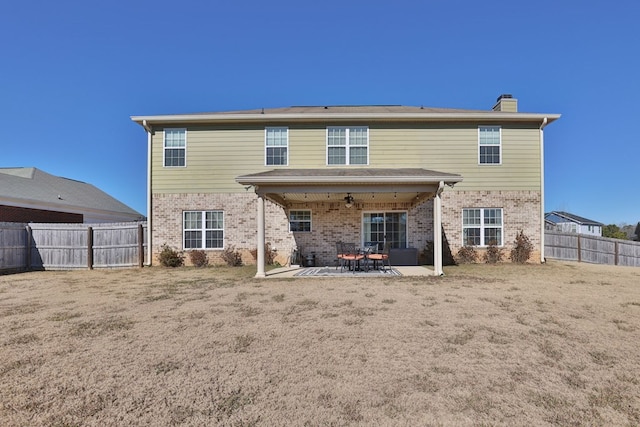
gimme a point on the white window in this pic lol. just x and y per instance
(203, 230)
(482, 227)
(300, 220)
(347, 146)
(276, 146)
(489, 145)
(175, 147)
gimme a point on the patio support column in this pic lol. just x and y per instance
(260, 218)
(437, 232)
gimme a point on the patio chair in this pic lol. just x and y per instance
(351, 256)
(382, 256)
(368, 249)
(339, 256)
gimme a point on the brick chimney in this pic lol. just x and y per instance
(506, 103)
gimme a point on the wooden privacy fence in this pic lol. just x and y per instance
(591, 249)
(71, 246)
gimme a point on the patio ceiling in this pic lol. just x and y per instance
(292, 186)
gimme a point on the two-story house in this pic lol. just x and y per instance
(309, 176)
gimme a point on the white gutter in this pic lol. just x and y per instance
(248, 117)
(542, 126)
(149, 220)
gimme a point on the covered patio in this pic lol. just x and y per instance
(351, 186)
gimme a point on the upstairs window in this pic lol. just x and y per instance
(489, 145)
(300, 220)
(347, 146)
(482, 227)
(175, 147)
(276, 146)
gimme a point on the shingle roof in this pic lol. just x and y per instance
(336, 113)
(35, 186)
(355, 174)
(346, 109)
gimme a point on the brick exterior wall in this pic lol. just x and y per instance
(520, 210)
(332, 222)
(240, 225)
(17, 214)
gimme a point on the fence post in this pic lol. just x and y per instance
(90, 248)
(140, 246)
(616, 253)
(28, 254)
(579, 250)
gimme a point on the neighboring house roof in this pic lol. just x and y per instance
(33, 188)
(345, 112)
(556, 217)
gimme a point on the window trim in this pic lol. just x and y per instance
(266, 131)
(310, 220)
(164, 147)
(490, 145)
(483, 226)
(347, 145)
(203, 229)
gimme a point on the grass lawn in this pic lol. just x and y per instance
(554, 344)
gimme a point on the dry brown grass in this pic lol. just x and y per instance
(521, 345)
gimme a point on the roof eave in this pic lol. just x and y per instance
(337, 117)
(251, 180)
(61, 207)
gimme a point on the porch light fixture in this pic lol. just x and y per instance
(348, 201)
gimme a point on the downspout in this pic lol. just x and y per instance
(149, 224)
(542, 126)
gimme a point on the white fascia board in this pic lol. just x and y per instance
(334, 117)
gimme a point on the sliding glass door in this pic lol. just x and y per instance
(384, 227)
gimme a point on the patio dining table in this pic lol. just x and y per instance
(358, 257)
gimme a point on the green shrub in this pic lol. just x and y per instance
(199, 258)
(467, 255)
(522, 249)
(231, 256)
(493, 254)
(170, 257)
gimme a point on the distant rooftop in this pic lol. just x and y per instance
(560, 216)
(35, 186)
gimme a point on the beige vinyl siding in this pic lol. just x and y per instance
(308, 147)
(217, 155)
(455, 150)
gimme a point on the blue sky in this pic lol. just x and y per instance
(73, 72)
